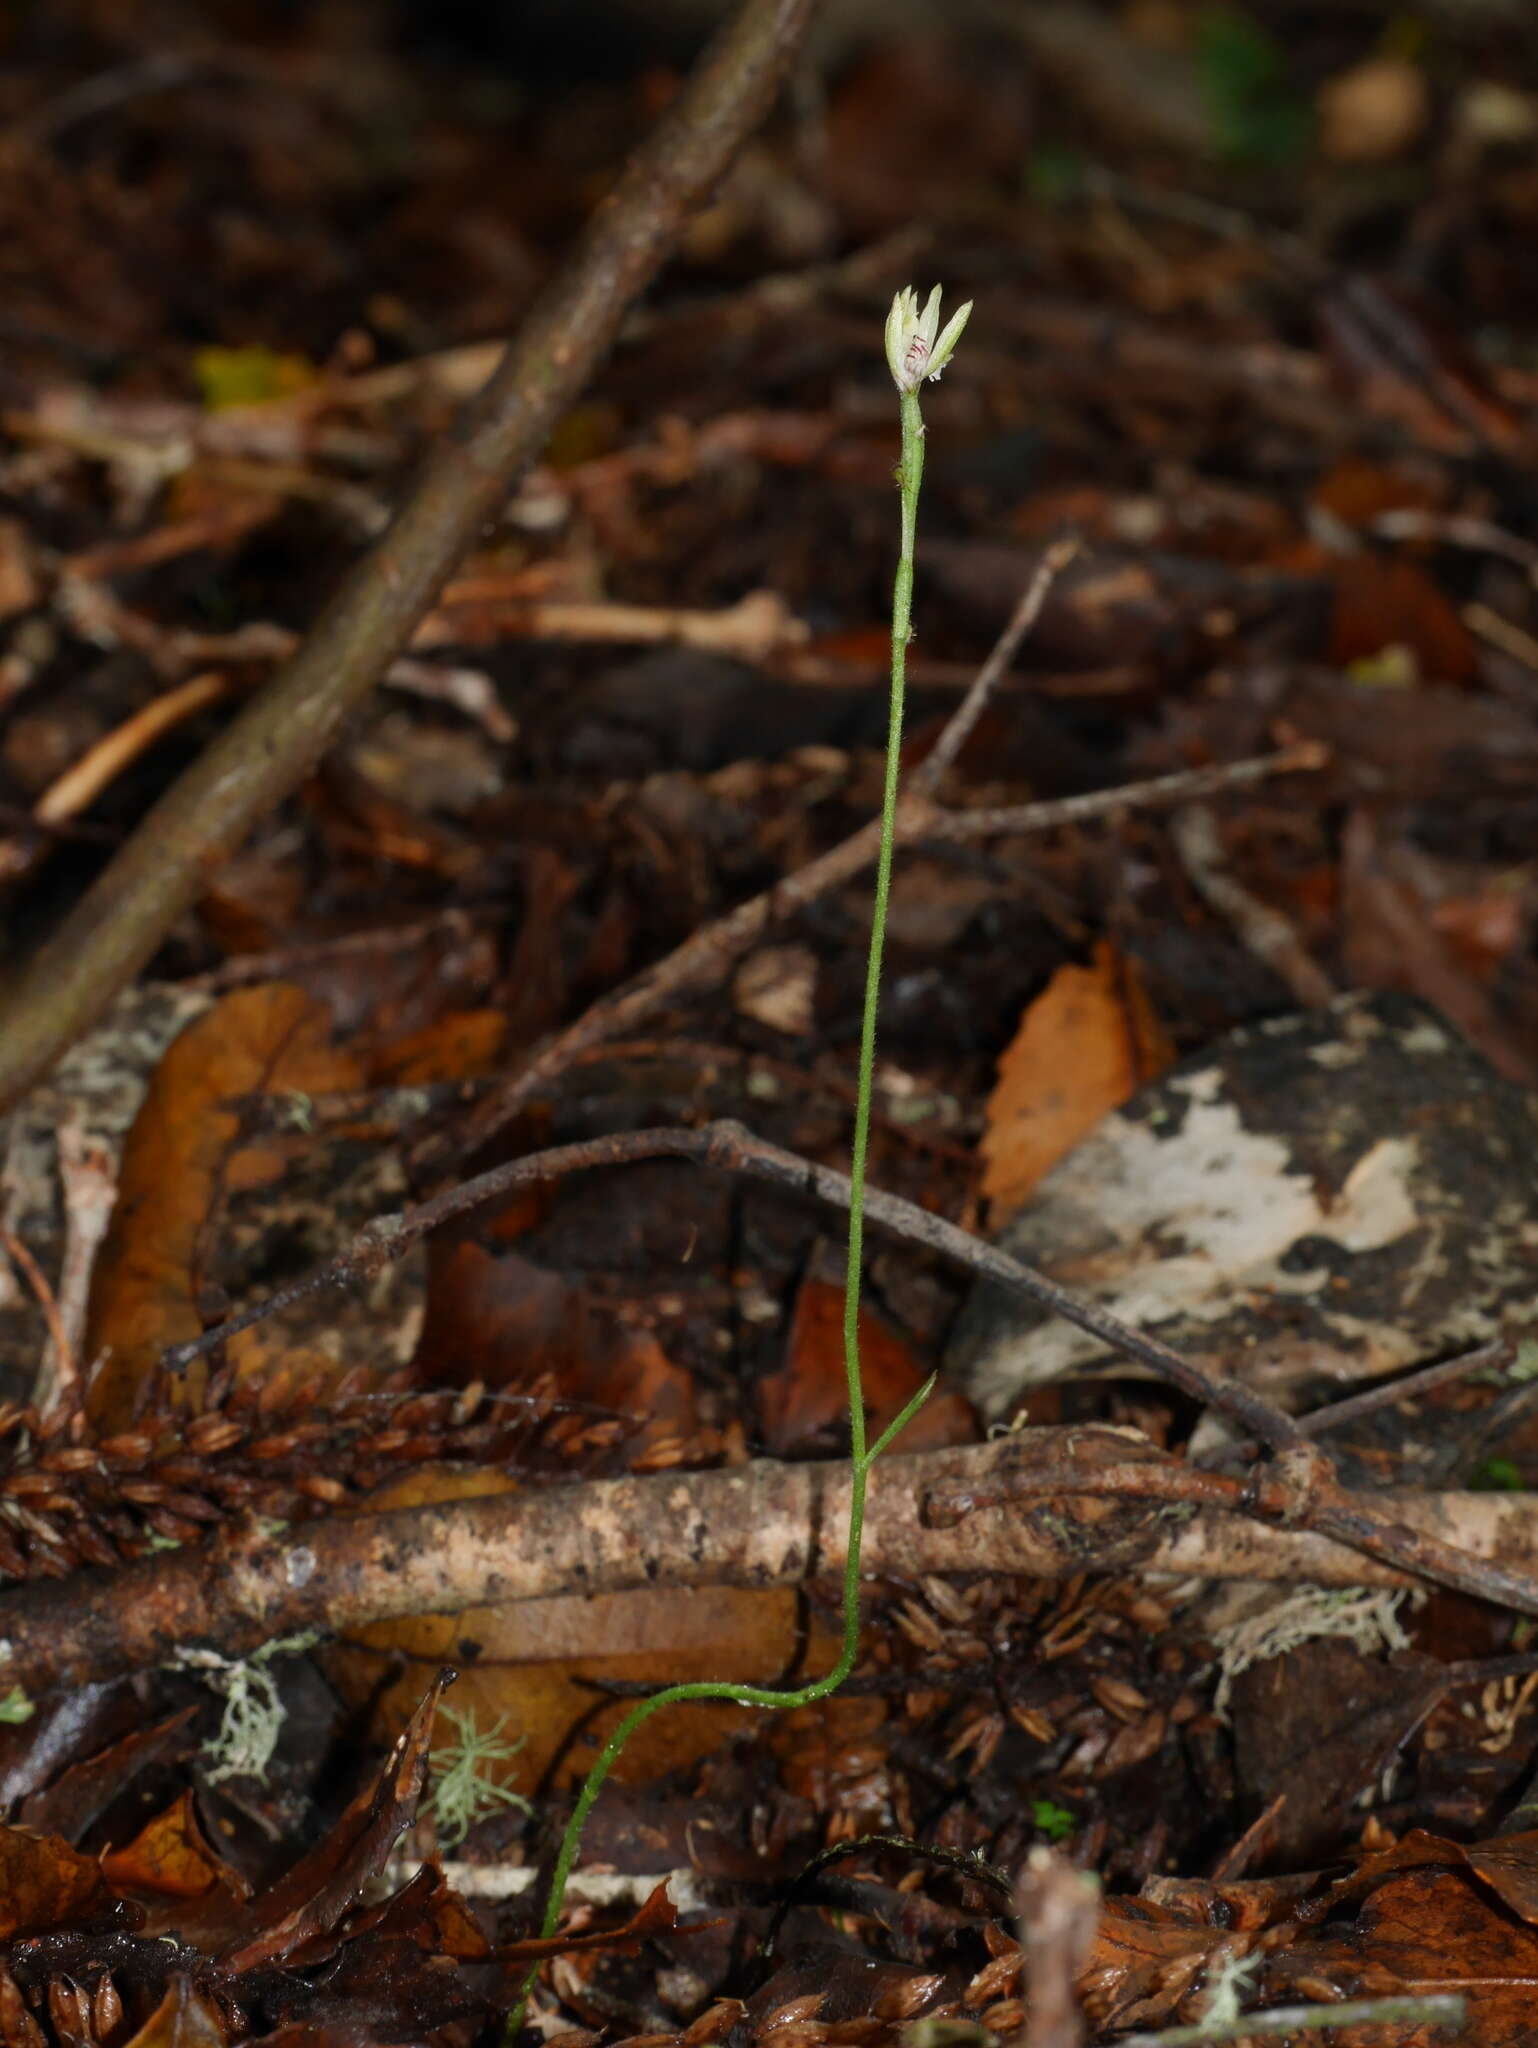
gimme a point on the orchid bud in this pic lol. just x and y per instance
(912, 351)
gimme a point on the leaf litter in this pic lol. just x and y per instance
(1302, 488)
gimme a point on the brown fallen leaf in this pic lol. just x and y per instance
(430, 1912)
(1087, 1042)
(500, 1319)
(45, 1884)
(183, 1156)
(655, 1915)
(184, 2018)
(296, 1920)
(169, 1855)
(807, 1396)
(1383, 601)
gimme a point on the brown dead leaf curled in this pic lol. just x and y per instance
(807, 1396)
(1088, 1041)
(183, 1156)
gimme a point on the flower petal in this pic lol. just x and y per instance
(940, 355)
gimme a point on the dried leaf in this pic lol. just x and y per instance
(184, 2018)
(1088, 1041)
(656, 1915)
(45, 1884)
(1382, 602)
(169, 1855)
(807, 1396)
(501, 1319)
(301, 1911)
(181, 1156)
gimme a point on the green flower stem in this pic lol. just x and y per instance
(909, 477)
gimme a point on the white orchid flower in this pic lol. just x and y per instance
(912, 351)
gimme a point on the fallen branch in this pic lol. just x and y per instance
(732, 1148)
(1301, 1489)
(269, 748)
(1048, 1503)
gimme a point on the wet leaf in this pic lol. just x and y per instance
(806, 1400)
(656, 1915)
(298, 1915)
(1088, 1041)
(183, 1154)
(169, 1855)
(498, 1317)
(184, 2018)
(1383, 601)
(73, 1799)
(45, 1884)
(429, 1912)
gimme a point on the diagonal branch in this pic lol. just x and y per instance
(1300, 1489)
(270, 747)
(730, 1147)
(707, 955)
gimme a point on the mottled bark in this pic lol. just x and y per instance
(1046, 1503)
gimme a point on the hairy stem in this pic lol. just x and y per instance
(861, 1456)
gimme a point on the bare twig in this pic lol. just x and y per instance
(1301, 1490)
(931, 771)
(448, 927)
(106, 89)
(706, 955)
(1389, 1393)
(1059, 1908)
(1158, 792)
(80, 785)
(1384, 1394)
(730, 1147)
(755, 628)
(89, 1185)
(277, 738)
(1264, 931)
(47, 1301)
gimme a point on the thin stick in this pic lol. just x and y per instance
(83, 782)
(728, 1145)
(1385, 1394)
(1389, 1393)
(88, 1180)
(1059, 1912)
(1260, 928)
(276, 739)
(707, 954)
(1156, 793)
(942, 756)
